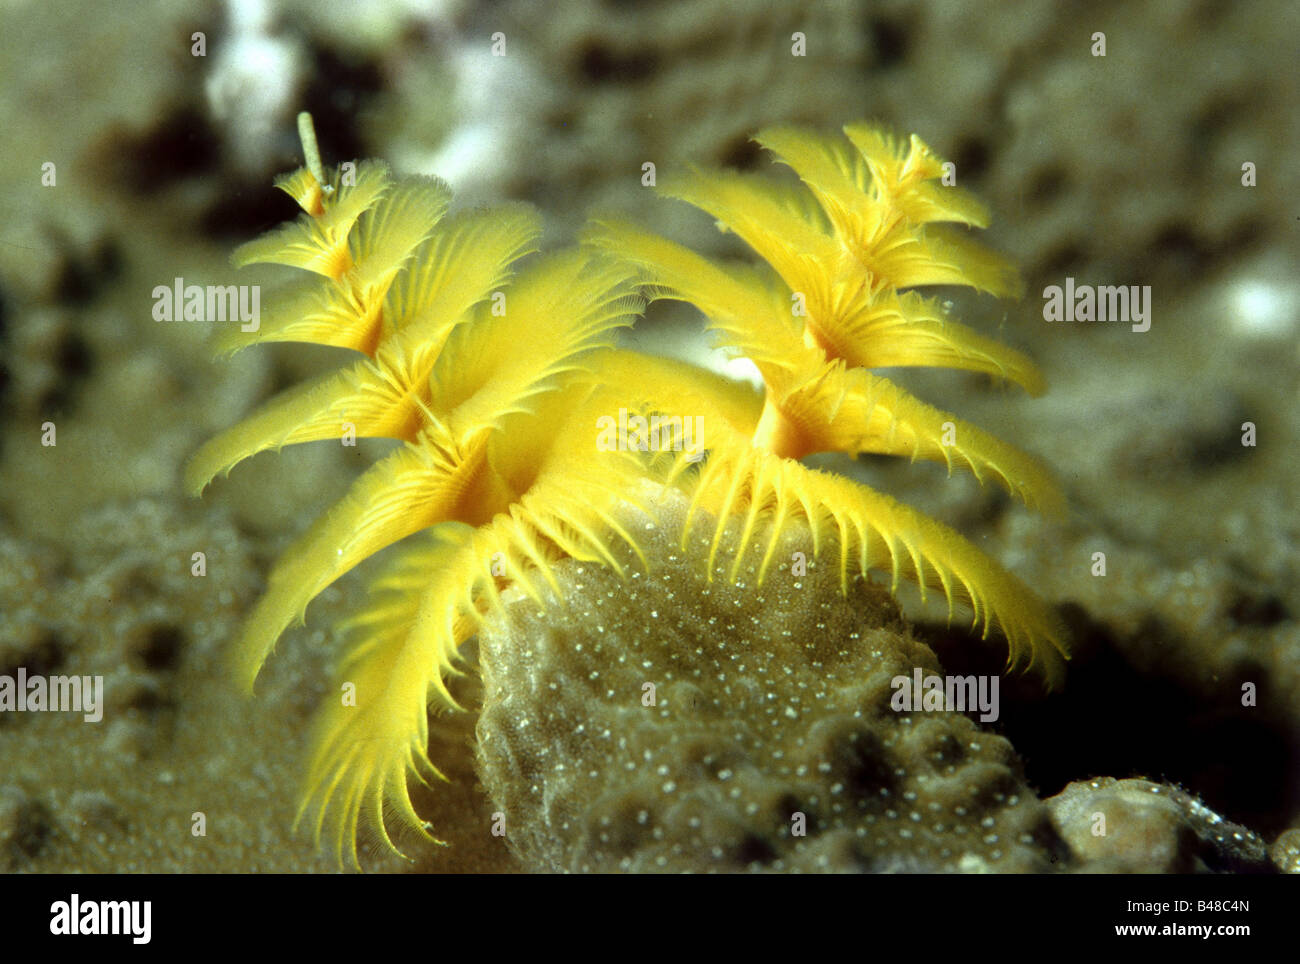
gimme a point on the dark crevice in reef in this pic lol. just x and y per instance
(598, 63)
(184, 145)
(181, 145)
(156, 646)
(741, 153)
(86, 272)
(74, 360)
(248, 207)
(1066, 258)
(1212, 122)
(1258, 610)
(1046, 185)
(1112, 718)
(889, 42)
(30, 830)
(972, 157)
(42, 655)
(1178, 249)
(1245, 235)
(338, 95)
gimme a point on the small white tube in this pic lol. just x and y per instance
(311, 153)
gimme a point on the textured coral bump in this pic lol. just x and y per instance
(829, 304)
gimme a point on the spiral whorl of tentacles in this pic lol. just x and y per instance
(496, 377)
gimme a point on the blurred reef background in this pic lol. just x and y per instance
(1125, 169)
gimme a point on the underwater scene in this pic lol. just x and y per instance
(443, 437)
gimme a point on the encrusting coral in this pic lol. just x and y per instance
(496, 378)
(678, 724)
(1138, 826)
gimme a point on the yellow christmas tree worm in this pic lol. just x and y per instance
(495, 373)
(485, 374)
(827, 306)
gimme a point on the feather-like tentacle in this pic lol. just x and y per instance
(880, 533)
(364, 749)
(320, 243)
(412, 488)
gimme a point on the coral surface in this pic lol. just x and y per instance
(678, 721)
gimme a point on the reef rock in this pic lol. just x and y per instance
(1137, 826)
(666, 722)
